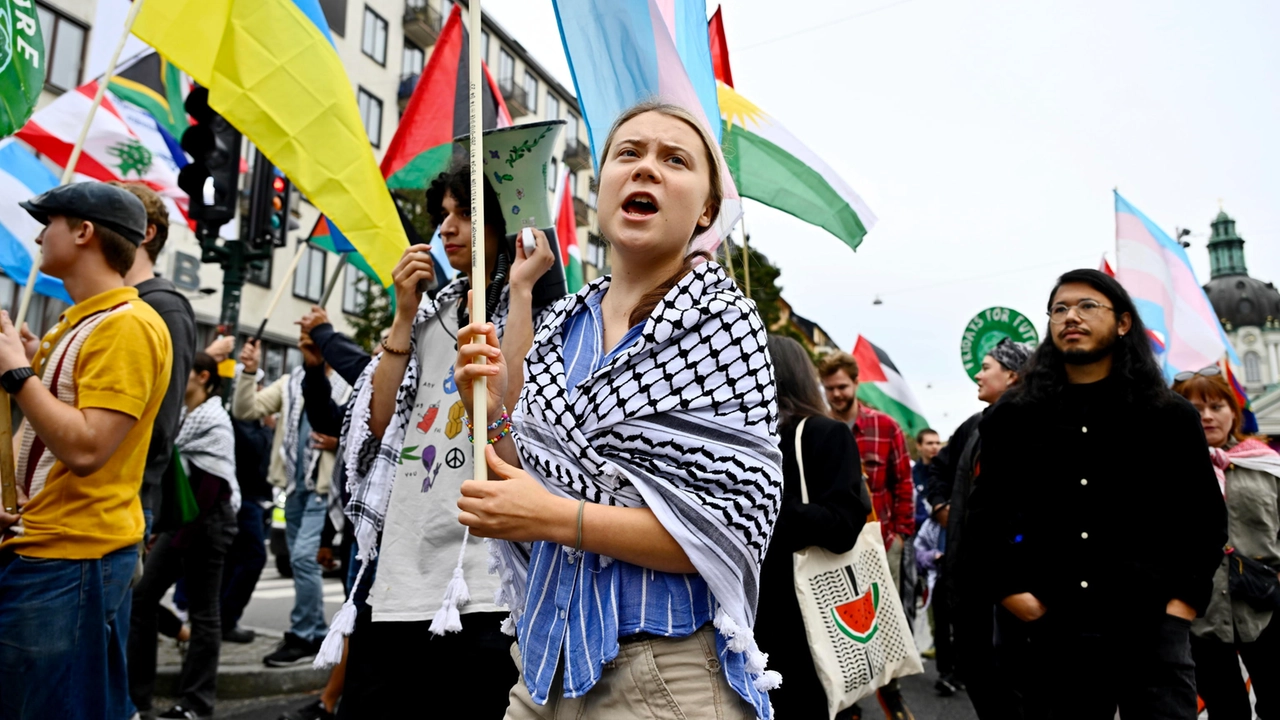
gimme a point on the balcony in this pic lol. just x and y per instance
(577, 154)
(516, 98)
(422, 23)
(597, 255)
(581, 211)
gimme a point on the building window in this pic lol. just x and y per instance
(371, 114)
(571, 130)
(484, 45)
(446, 7)
(573, 184)
(1252, 368)
(355, 284)
(374, 43)
(506, 68)
(335, 13)
(308, 280)
(531, 89)
(553, 106)
(64, 38)
(411, 60)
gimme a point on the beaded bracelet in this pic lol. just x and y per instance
(506, 418)
(506, 430)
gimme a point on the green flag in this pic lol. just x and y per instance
(22, 60)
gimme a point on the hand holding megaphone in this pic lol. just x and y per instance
(533, 258)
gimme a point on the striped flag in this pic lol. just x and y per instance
(567, 234)
(22, 176)
(623, 52)
(882, 387)
(124, 143)
(1156, 272)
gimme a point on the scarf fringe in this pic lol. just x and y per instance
(742, 640)
(456, 594)
(344, 621)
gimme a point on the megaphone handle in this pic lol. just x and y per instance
(530, 244)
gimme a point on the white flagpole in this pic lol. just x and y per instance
(479, 286)
(69, 171)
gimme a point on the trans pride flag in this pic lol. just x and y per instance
(1154, 268)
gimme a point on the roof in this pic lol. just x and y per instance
(1240, 301)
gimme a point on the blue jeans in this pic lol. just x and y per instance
(304, 512)
(245, 560)
(61, 653)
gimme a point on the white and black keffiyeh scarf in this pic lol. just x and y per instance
(683, 422)
(206, 439)
(339, 390)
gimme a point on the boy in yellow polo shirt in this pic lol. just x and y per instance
(89, 391)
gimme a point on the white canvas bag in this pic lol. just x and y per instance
(857, 631)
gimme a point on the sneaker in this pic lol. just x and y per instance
(177, 711)
(314, 711)
(291, 651)
(894, 708)
(945, 687)
(238, 635)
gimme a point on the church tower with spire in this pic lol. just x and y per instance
(1248, 308)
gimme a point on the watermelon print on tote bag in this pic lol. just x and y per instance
(853, 620)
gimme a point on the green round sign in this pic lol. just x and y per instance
(987, 329)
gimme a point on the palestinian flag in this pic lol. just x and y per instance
(437, 113)
(423, 146)
(567, 234)
(155, 85)
(882, 387)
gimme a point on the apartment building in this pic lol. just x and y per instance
(384, 45)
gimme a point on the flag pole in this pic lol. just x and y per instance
(275, 299)
(333, 281)
(69, 171)
(728, 257)
(746, 261)
(479, 286)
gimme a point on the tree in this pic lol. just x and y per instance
(376, 313)
(764, 276)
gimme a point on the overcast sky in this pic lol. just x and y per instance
(987, 136)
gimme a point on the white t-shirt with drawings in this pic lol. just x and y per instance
(422, 535)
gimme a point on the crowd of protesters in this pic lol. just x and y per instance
(1092, 541)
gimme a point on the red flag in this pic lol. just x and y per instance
(719, 49)
(1105, 268)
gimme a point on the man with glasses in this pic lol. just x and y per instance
(1097, 514)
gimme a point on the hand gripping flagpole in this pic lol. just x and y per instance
(70, 170)
(479, 286)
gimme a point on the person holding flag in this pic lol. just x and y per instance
(643, 477)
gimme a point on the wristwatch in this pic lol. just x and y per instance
(13, 380)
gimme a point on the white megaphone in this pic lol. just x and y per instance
(517, 164)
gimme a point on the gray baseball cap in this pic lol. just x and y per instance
(109, 206)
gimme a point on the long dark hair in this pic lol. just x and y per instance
(1133, 362)
(204, 362)
(797, 380)
(456, 181)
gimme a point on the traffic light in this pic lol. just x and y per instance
(268, 222)
(213, 175)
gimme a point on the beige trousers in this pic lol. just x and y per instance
(656, 678)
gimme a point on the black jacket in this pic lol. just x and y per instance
(341, 352)
(253, 457)
(1103, 509)
(952, 481)
(837, 510)
(174, 308)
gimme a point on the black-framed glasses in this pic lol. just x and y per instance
(1085, 310)
(1186, 375)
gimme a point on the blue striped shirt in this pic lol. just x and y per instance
(577, 617)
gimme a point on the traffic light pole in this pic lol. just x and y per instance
(234, 256)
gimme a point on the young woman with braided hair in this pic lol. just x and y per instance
(641, 484)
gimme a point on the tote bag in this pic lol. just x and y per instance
(857, 631)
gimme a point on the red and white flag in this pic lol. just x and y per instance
(1105, 268)
(123, 143)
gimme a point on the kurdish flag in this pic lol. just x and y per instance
(567, 235)
(770, 165)
(882, 387)
(272, 72)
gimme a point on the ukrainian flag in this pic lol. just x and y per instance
(272, 72)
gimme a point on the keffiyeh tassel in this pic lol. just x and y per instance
(456, 594)
(742, 640)
(344, 621)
